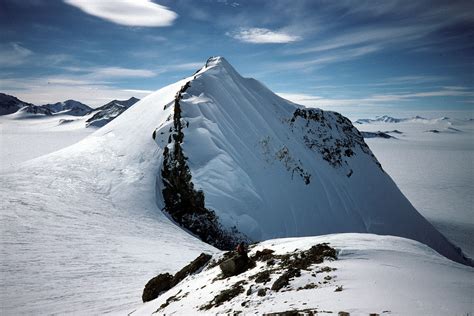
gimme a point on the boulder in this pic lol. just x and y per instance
(165, 281)
(235, 265)
(159, 284)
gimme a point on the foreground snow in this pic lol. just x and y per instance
(80, 228)
(81, 231)
(378, 274)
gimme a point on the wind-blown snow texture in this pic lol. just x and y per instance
(274, 169)
(81, 231)
(82, 228)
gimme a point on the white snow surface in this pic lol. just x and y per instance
(435, 171)
(236, 130)
(379, 274)
(25, 136)
(82, 230)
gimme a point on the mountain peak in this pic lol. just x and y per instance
(219, 64)
(216, 61)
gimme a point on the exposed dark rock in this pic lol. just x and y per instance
(110, 111)
(236, 265)
(292, 165)
(317, 126)
(225, 256)
(159, 284)
(225, 296)
(263, 255)
(284, 279)
(300, 312)
(34, 109)
(262, 292)
(308, 286)
(191, 268)
(165, 281)
(9, 104)
(378, 134)
(185, 204)
(261, 277)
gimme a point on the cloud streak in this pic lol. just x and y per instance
(263, 36)
(127, 12)
(13, 54)
(315, 100)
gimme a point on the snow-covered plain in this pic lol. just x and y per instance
(81, 231)
(26, 136)
(378, 274)
(435, 171)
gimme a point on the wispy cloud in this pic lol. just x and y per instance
(128, 12)
(119, 72)
(99, 74)
(263, 36)
(374, 99)
(380, 36)
(13, 54)
(327, 58)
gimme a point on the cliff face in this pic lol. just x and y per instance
(183, 202)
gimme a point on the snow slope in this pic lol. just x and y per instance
(81, 232)
(82, 228)
(378, 274)
(251, 154)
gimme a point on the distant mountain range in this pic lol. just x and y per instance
(390, 119)
(108, 112)
(99, 116)
(9, 104)
(69, 107)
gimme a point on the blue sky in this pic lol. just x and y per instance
(414, 55)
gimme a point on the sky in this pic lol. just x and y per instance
(407, 55)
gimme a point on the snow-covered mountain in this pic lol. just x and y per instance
(254, 163)
(390, 119)
(69, 107)
(84, 228)
(10, 104)
(110, 111)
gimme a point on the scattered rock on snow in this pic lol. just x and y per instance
(165, 281)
